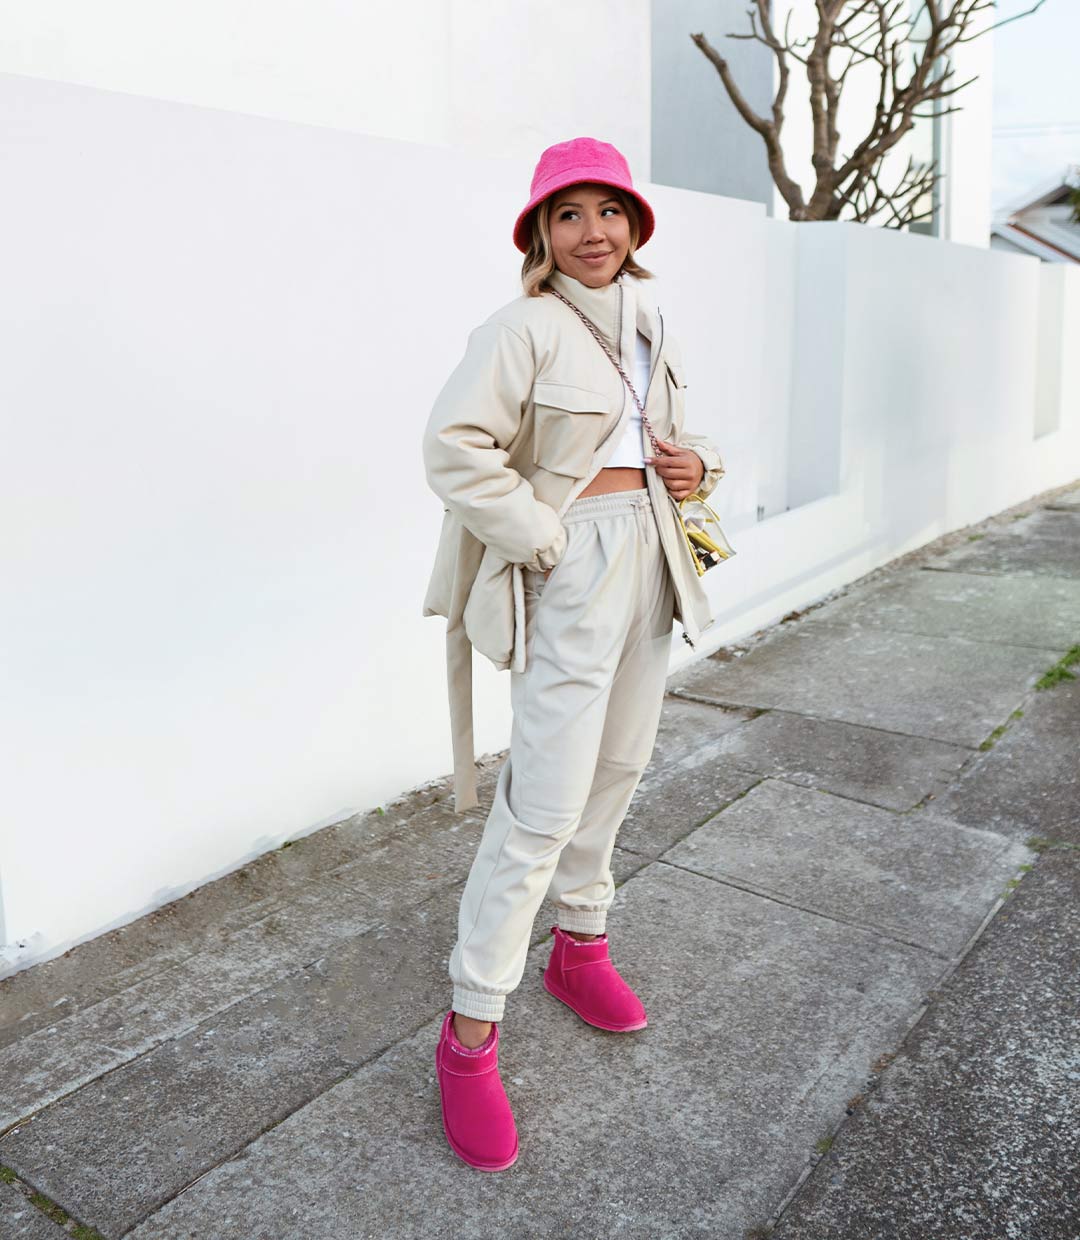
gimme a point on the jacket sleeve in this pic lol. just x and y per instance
(710, 458)
(474, 419)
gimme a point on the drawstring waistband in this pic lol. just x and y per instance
(588, 506)
(615, 504)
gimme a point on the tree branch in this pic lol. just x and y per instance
(861, 32)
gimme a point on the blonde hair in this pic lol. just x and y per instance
(540, 262)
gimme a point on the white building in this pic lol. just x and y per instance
(1044, 222)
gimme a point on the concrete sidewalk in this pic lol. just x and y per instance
(848, 898)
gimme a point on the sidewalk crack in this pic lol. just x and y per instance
(778, 898)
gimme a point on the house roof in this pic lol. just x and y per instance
(1041, 224)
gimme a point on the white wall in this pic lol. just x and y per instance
(221, 338)
(484, 75)
(699, 141)
(968, 137)
(1058, 365)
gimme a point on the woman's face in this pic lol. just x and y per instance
(590, 232)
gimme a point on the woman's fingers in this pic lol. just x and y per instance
(677, 471)
(674, 460)
(680, 468)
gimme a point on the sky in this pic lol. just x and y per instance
(1036, 89)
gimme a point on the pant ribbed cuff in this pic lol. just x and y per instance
(584, 921)
(477, 1004)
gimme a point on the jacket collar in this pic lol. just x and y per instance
(602, 304)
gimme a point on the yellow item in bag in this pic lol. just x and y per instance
(705, 538)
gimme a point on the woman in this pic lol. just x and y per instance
(560, 558)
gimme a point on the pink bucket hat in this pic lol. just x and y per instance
(567, 163)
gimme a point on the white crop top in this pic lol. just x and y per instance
(628, 451)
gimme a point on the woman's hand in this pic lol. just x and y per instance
(680, 468)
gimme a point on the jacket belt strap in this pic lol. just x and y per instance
(459, 688)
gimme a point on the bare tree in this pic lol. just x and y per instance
(860, 30)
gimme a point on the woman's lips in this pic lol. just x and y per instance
(594, 258)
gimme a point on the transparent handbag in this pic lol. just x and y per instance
(704, 536)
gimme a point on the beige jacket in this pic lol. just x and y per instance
(523, 424)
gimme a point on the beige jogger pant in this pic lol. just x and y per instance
(585, 715)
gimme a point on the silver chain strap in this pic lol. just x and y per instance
(603, 345)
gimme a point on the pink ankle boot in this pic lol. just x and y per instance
(581, 974)
(476, 1113)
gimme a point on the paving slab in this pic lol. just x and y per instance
(41, 996)
(187, 924)
(246, 949)
(20, 1220)
(125, 1143)
(765, 1011)
(671, 803)
(688, 728)
(1044, 543)
(115, 1150)
(52, 1062)
(866, 764)
(1028, 783)
(917, 876)
(945, 688)
(974, 1129)
(181, 930)
(1068, 502)
(1018, 611)
(689, 777)
(404, 868)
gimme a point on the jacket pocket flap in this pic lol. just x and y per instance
(678, 375)
(566, 396)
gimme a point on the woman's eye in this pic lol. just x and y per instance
(565, 215)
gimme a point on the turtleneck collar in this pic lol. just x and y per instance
(600, 304)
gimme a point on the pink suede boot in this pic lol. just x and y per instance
(476, 1112)
(581, 974)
